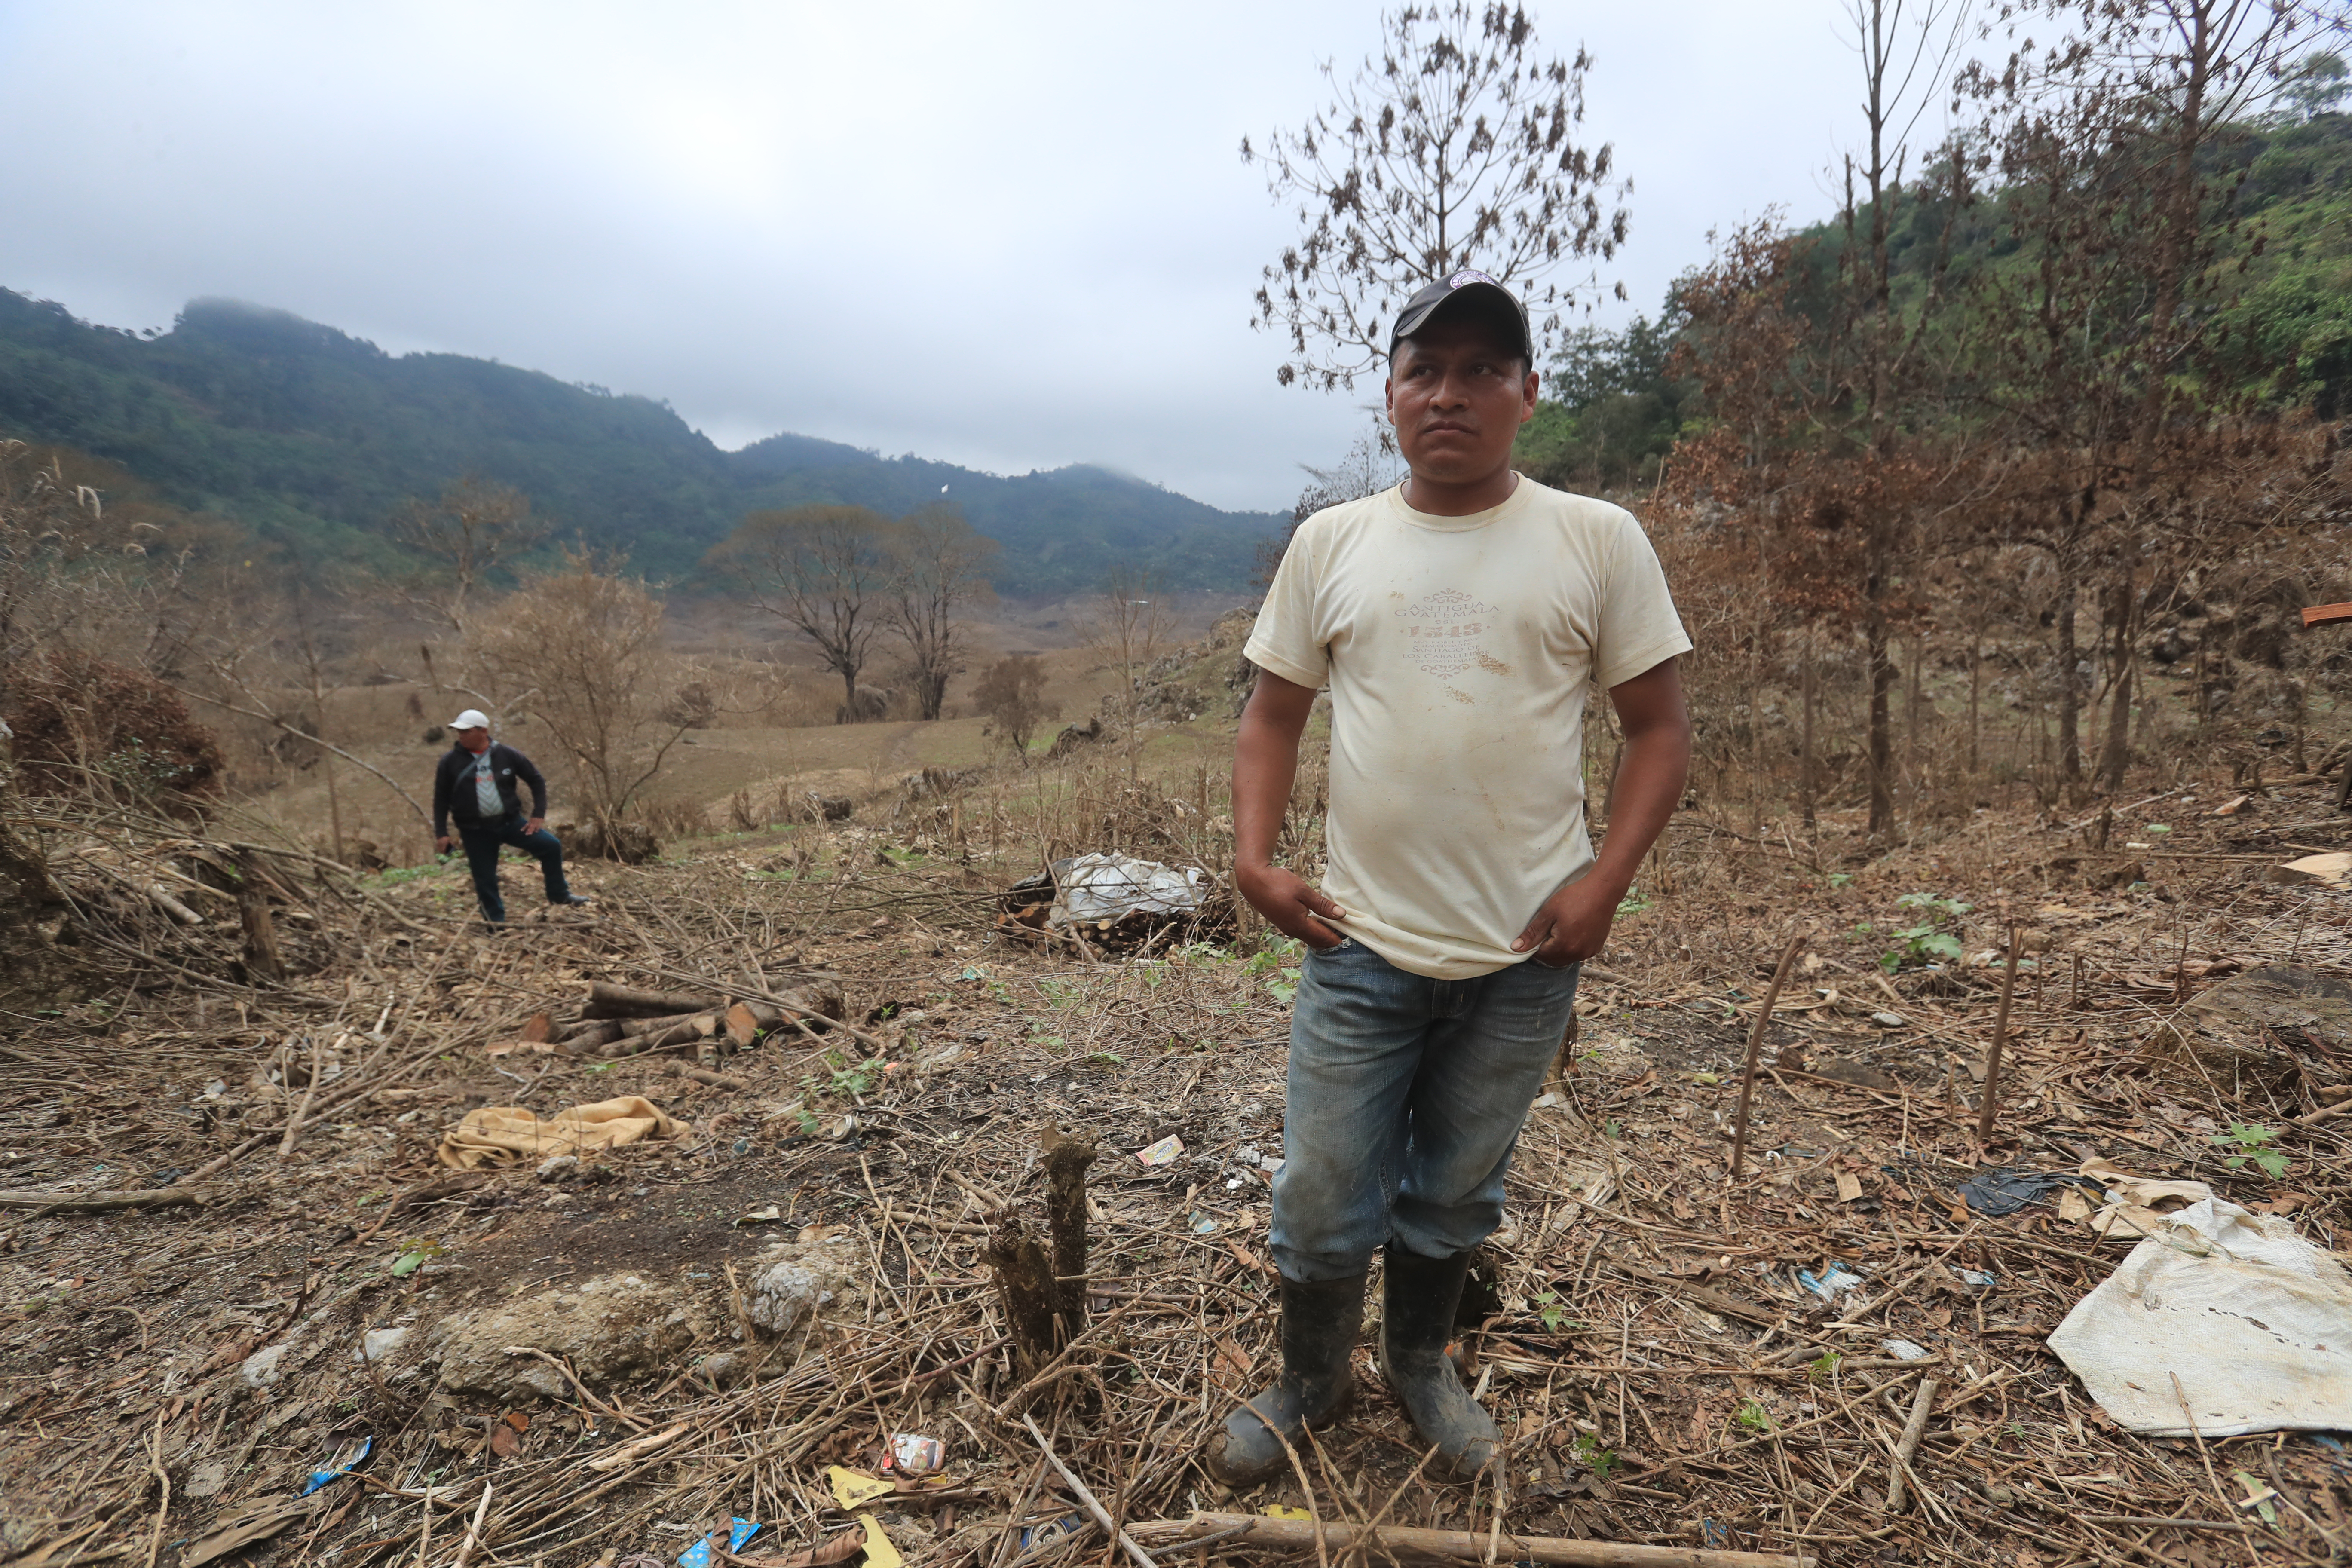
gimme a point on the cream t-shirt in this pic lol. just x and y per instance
(1459, 652)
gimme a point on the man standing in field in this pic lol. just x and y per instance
(480, 782)
(1460, 621)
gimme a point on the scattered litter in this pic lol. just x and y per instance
(1976, 1278)
(766, 1213)
(1835, 1277)
(1903, 1349)
(698, 1554)
(1096, 887)
(2136, 1206)
(914, 1454)
(2333, 870)
(507, 1134)
(1163, 1152)
(851, 1487)
(338, 1469)
(1284, 1511)
(1715, 1537)
(1038, 1537)
(1203, 1224)
(1890, 1020)
(2226, 1312)
(2007, 1188)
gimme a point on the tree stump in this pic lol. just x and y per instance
(1067, 1155)
(1024, 1281)
(261, 960)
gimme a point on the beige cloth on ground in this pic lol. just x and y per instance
(507, 1134)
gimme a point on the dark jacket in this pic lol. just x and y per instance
(453, 788)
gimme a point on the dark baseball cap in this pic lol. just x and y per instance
(1476, 286)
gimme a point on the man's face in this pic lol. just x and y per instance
(1458, 393)
(475, 740)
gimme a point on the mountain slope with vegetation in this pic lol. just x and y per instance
(314, 440)
(1615, 401)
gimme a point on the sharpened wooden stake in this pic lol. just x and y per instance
(1756, 1049)
(1991, 1099)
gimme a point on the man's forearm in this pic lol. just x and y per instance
(1266, 764)
(1650, 779)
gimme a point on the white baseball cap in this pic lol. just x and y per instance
(471, 719)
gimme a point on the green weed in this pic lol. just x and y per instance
(2252, 1140)
(1928, 941)
(1555, 1314)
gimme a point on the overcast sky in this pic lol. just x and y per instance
(1012, 237)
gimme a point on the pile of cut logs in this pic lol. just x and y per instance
(620, 1020)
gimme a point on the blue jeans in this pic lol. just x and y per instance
(482, 845)
(1405, 1100)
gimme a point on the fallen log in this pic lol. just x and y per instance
(588, 1038)
(745, 1020)
(607, 1000)
(1299, 1535)
(703, 1021)
(100, 1203)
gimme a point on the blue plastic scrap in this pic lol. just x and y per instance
(321, 1477)
(698, 1554)
(1037, 1537)
(1834, 1276)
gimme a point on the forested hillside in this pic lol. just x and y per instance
(313, 439)
(2279, 231)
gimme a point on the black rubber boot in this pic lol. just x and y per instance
(1319, 1325)
(1418, 1298)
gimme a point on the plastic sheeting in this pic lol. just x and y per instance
(2254, 1322)
(1095, 888)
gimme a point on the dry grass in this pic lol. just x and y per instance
(1639, 1407)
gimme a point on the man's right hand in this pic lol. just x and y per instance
(1292, 905)
(441, 845)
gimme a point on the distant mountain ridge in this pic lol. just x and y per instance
(313, 438)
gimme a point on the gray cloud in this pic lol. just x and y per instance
(1012, 237)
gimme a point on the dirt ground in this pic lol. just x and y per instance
(601, 1362)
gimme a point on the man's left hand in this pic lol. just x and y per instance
(534, 825)
(1570, 926)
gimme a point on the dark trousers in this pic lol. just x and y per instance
(482, 845)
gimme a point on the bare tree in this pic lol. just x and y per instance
(1905, 48)
(824, 571)
(1135, 621)
(941, 565)
(1455, 147)
(2090, 353)
(1011, 695)
(474, 527)
(589, 639)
